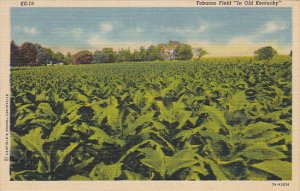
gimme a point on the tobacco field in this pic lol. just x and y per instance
(152, 121)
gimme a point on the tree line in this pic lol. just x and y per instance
(31, 54)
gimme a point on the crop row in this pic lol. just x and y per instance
(152, 121)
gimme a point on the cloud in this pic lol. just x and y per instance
(133, 31)
(68, 32)
(184, 30)
(106, 27)
(97, 42)
(178, 30)
(272, 27)
(239, 46)
(31, 30)
(203, 27)
(139, 30)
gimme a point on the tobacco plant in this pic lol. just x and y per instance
(152, 121)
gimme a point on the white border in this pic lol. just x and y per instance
(7, 185)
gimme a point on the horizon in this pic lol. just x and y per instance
(217, 30)
(132, 51)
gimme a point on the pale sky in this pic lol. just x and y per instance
(220, 31)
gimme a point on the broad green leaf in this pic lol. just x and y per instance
(70, 106)
(43, 122)
(41, 168)
(238, 101)
(214, 135)
(83, 164)
(57, 131)
(257, 128)
(78, 178)
(165, 113)
(235, 169)
(178, 106)
(113, 101)
(138, 98)
(24, 108)
(42, 96)
(46, 108)
(185, 134)
(267, 137)
(22, 120)
(133, 149)
(255, 174)
(155, 159)
(261, 151)
(182, 117)
(112, 114)
(193, 120)
(146, 118)
(182, 159)
(282, 169)
(22, 175)
(73, 116)
(212, 125)
(99, 135)
(279, 94)
(285, 124)
(217, 171)
(200, 168)
(62, 155)
(160, 127)
(106, 172)
(165, 142)
(99, 116)
(133, 176)
(82, 98)
(215, 114)
(136, 147)
(15, 139)
(192, 176)
(33, 141)
(82, 128)
(149, 99)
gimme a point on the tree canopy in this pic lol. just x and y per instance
(265, 53)
(28, 52)
(83, 57)
(35, 54)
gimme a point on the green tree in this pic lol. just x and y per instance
(28, 52)
(109, 55)
(174, 50)
(124, 55)
(143, 53)
(199, 52)
(58, 57)
(265, 53)
(15, 59)
(99, 57)
(44, 55)
(68, 58)
(184, 52)
(136, 56)
(152, 53)
(83, 57)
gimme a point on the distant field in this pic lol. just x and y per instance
(152, 121)
(245, 59)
